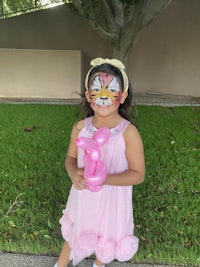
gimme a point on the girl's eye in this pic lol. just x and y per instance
(112, 90)
(96, 89)
(114, 86)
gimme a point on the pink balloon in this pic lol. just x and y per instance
(94, 155)
(87, 143)
(95, 175)
(95, 171)
(102, 135)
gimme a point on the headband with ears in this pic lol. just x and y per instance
(114, 62)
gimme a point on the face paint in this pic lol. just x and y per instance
(105, 90)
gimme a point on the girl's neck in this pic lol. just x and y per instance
(109, 121)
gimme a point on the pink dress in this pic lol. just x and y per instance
(101, 222)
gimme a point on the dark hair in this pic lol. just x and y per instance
(125, 108)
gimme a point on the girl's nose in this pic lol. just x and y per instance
(104, 94)
(103, 97)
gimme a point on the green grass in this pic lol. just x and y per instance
(34, 184)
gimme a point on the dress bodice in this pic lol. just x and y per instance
(91, 129)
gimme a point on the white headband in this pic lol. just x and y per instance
(114, 62)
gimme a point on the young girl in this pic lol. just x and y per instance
(101, 222)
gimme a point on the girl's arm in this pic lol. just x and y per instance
(75, 173)
(136, 162)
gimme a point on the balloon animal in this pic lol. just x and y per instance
(95, 171)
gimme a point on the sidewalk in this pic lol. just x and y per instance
(26, 260)
(138, 99)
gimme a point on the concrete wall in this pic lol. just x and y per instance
(40, 73)
(165, 60)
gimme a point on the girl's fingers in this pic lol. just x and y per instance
(80, 184)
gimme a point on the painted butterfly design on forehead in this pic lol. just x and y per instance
(105, 90)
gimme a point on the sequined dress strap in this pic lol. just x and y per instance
(114, 131)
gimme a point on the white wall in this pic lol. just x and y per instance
(166, 59)
(40, 73)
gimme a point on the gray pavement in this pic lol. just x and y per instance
(26, 260)
(138, 99)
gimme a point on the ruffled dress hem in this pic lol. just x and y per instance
(88, 244)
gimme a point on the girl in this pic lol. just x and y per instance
(101, 223)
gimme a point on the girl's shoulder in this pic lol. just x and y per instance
(131, 132)
(77, 127)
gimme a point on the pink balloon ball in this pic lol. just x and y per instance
(94, 155)
(102, 135)
(86, 143)
(95, 177)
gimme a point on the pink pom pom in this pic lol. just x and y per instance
(126, 248)
(105, 251)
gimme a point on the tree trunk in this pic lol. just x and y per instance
(128, 35)
(121, 51)
(2, 10)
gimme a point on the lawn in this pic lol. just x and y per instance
(34, 184)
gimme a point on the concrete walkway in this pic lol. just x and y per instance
(138, 99)
(26, 260)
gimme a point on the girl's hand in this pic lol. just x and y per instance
(78, 180)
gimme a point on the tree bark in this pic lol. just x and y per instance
(2, 8)
(128, 35)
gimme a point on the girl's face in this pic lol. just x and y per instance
(105, 91)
